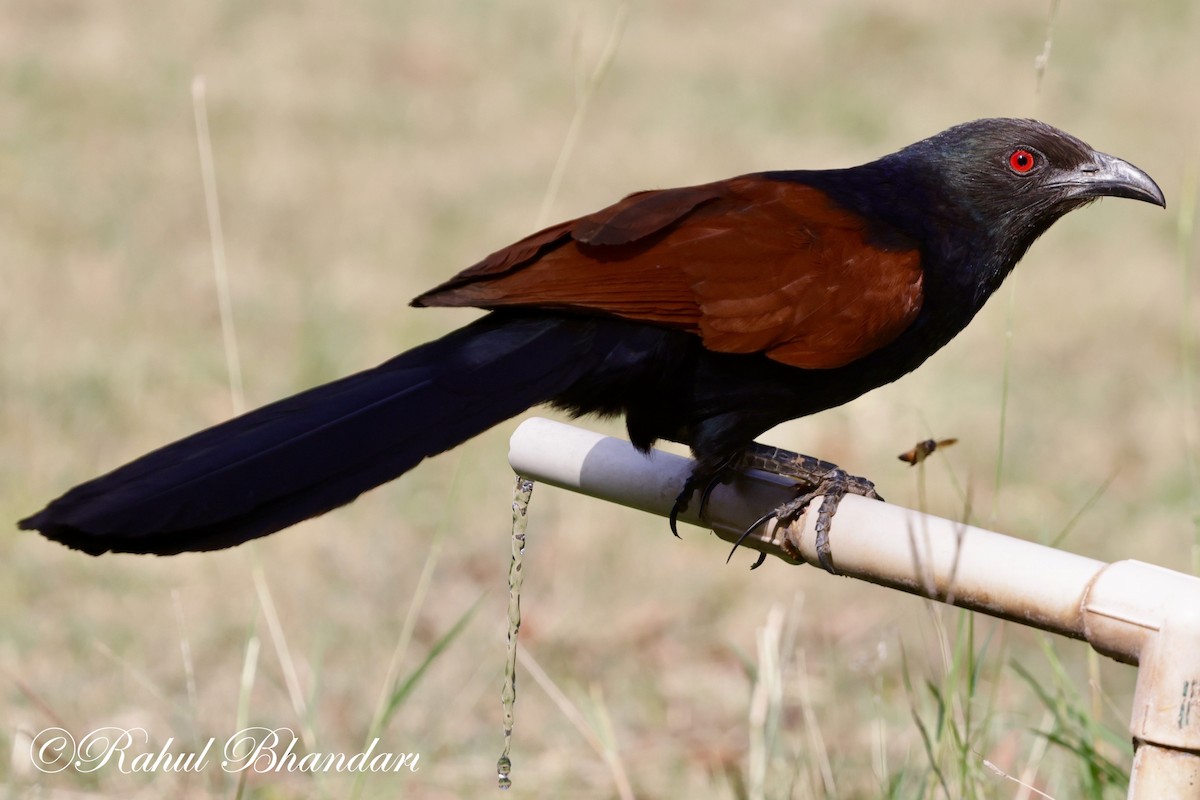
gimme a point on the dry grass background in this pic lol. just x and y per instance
(364, 151)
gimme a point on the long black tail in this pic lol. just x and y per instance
(320, 449)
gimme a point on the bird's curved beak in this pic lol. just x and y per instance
(1108, 176)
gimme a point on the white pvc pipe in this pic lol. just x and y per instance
(1130, 611)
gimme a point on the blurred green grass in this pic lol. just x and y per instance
(365, 151)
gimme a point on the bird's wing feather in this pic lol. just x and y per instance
(750, 265)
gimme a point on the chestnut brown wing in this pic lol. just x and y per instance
(751, 265)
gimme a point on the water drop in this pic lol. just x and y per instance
(522, 492)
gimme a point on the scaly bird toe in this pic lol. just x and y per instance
(814, 478)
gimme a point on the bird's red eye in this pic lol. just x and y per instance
(1021, 161)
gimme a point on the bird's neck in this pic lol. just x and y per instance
(965, 255)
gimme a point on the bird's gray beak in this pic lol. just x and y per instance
(1108, 176)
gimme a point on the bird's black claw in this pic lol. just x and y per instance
(713, 483)
(683, 500)
(753, 527)
(680, 505)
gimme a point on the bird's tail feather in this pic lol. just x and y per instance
(320, 449)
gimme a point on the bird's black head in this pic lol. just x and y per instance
(1007, 180)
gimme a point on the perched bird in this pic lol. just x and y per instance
(705, 314)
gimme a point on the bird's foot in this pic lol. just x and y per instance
(814, 478)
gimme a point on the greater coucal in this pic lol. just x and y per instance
(705, 314)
